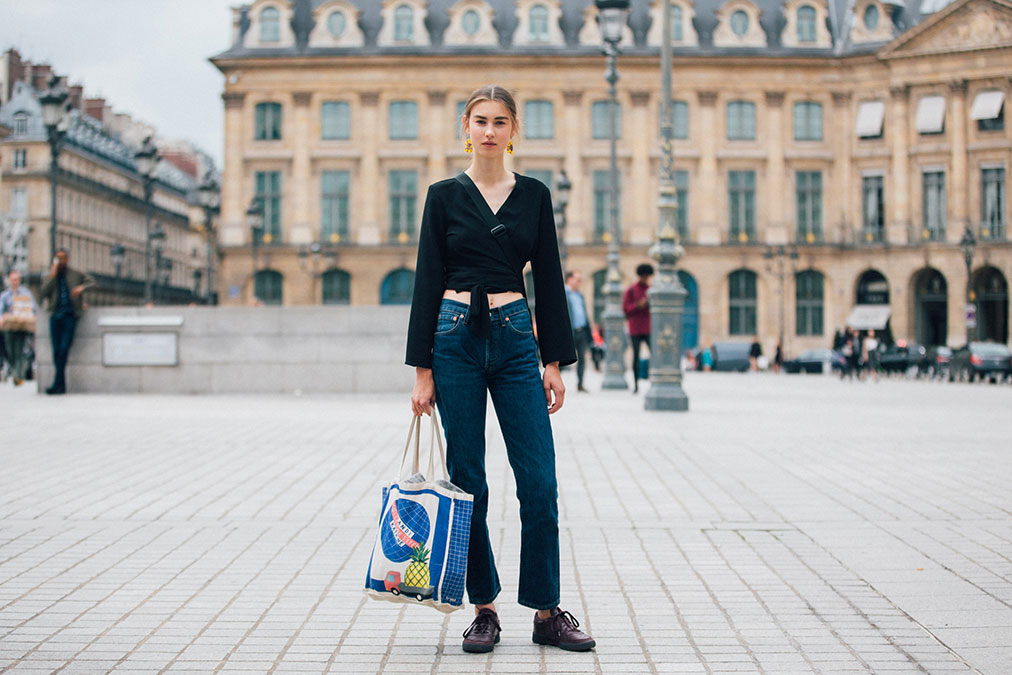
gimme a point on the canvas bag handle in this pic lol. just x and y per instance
(436, 440)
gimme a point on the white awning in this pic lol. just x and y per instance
(868, 317)
(987, 105)
(870, 116)
(931, 115)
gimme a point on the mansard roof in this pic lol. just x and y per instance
(904, 14)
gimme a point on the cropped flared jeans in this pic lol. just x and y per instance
(466, 369)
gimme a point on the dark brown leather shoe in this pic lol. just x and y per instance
(561, 630)
(483, 633)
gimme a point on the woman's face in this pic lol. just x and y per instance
(490, 128)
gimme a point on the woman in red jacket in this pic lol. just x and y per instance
(636, 306)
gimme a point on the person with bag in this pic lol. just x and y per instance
(64, 292)
(470, 334)
(17, 321)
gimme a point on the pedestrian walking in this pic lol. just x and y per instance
(64, 293)
(778, 356)
(581, 323)
(755, 353)
(869, 354)
(470, 335)
(17, 321)
(636, 306)
(851, 351)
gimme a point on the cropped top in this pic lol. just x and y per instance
(457, 251)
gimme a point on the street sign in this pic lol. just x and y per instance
(971, 315)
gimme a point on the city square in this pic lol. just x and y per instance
(788, 524)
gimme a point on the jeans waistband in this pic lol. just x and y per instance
(497, 315)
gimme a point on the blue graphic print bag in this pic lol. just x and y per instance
(420, 552)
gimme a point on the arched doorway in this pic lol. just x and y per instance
(931, 307)
(267, 287)
(397, 287)
(690, 312)
(872, 289)
(991, 291)
(871, 309)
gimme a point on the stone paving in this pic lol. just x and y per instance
(787, 524)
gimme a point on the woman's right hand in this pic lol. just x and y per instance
(423, 396)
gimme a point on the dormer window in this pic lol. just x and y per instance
(739, 23)
(471, 22)
(539, 23)
(337, 23)
(871, 17)
(404, 24)
(806, 24)
(270, 25)
(676, 23)
(21, 124)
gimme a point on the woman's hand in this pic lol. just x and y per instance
(423, 396)
(553, 386)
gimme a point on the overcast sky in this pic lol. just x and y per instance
(147, 58)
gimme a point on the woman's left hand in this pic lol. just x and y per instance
(553, 387)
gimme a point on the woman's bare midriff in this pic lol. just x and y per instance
(494, 299)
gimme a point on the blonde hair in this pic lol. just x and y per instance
(491, 92)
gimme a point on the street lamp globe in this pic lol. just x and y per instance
(208, 192)
(146, 159)
(611, 19)
(54, 103)
(563, 188)
(118, 254)
(157, 237)
(255, 218)
(968, 245)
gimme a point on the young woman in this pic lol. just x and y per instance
(470, 334)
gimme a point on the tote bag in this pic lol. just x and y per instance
(419, 555)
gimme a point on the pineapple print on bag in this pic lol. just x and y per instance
(417, 574)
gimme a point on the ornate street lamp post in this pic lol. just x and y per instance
(146, 161)
(156, 239)
(209, 195)
(562, 190)
(667, 296)
(611, 18)
(166, 278)
(118, 253)
(968, 244)
(313, 251)
(780, 254)
(255, 220)
(55, 118)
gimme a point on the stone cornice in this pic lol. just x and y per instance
(707, 98)
(233, 99)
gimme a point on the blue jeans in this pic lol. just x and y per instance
(466, 369)
(61, 332)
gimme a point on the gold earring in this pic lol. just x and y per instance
(467, 146)
(509, 148)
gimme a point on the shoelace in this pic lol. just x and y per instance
(564, 617)
(482, 624)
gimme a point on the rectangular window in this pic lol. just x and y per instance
(992, 224)
(335, 121)
(543, 175)
(602, 212)
(931, 115)
(988, 110)
(334, 196)
(601, 120)
(539, 119)
(808, 195)
(680, 119)
(19, 202)
(872, 208)
(21, 125)
(268, 121)
(682, 193)
(268, 191)
(740, 121)
(934, 205)
(741, 196)
(403, 120)
(403, 200)
(20, 158)
(870, 117)
(808, 121)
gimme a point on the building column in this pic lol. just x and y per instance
(838, 199)
(371, 191)
(233, 208)
(580, 211)
(641, 207)
(775, 202)
(958, 179)
(898, 198)
(302, 230)
(706, 194)
(437, 136)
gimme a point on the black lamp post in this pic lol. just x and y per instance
(780, 254)
(611, 19)
(209, 195)
(255, 220)
(312, 252)
(563, 188)
(55, 118)
(198, 274)
(968, 244)
(156, 239)
(118, 254)
(146, 161)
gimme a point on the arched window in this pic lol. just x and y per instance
(471, 22)
(739, 23)
(690, 311)
(871, 17)
(932, 307)
(806, 24)
(743, 304)
(808, 302)
(336, 287)
(397, 287)
(336, 23)
(270, 25)
(267, 285)
(539, 23)
(404, 23)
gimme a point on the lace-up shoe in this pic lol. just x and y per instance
(483, 633)
(561, 630)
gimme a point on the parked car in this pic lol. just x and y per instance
(815, 361)
(731, 356)
(981, 360)
(901, 357)
(935, 362)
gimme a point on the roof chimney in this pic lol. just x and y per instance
(95, 108)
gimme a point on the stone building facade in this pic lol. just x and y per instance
(828, 154)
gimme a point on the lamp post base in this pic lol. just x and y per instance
(666, 396)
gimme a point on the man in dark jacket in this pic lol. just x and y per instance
(64, 293)
(636, 306)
